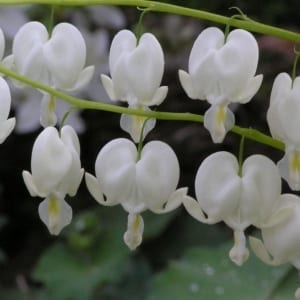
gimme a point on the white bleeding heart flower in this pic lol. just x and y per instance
(136, 181)
(136, 69)
(283, 121)
(222, 71)
(57, 60)
(281, 242)
(238, 196)
(55, 172)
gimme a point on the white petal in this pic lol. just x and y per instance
(239, 253)
(6, 128)
(260, 251)
(145, 66)
(134, 235)
(261, 187)
(158, 97)
(123, 42)
(134, 125)
(187, 84)
(218, 193)
(109, 87)
(193, 208)
(218, 120)
(115, 171)
(65, 54)
(55, 213)
(83, 79)
(93, 187)
(157, 174)
(50, 161)
(29, 182)
(250, 90)
(28, 51)
(280, 92)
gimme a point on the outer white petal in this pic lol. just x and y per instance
(71, 182)
(250, 90)
(280, 92)
(84, 78)
(109, 87)
(288, 113)
(261, 187)
(50, 161)
(208, 40)
(187, 84)
(29, 182)
(217, 186)
(145, 66)
(55, 213)
(235, 63)
(157, 174)
(123, 42)
(115, 171)
(158, 97)
(28, 51)
(65, 54)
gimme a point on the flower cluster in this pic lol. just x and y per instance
(142, 176)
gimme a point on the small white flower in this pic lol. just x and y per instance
(137, 183)
(55, 172)
(284, 124)
(222, 72)
(57, 61)
(240, 198)
(136, 69)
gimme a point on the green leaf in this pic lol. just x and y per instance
(207, 273)
(70, 273)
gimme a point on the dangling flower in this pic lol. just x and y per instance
(284, 124)
(57, 61)
(222, 71)
(137, 181)
(136, 69)
(282, 240)
(239, 197)
(55, 172)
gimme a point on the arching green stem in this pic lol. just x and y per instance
(249, 133)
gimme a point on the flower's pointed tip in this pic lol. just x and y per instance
(29, 183)
(159, 96)
(261, 252)
(186, 82)
(239, 258)
(83, 79)
(134, 235)
(109, 87)
(94, 188)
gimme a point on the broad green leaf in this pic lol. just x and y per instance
(207, 273)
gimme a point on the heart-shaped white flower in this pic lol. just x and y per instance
(239, 197)
(136, 181)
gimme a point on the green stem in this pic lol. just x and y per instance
(250, 133)
(241, 154)
(172, 9)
